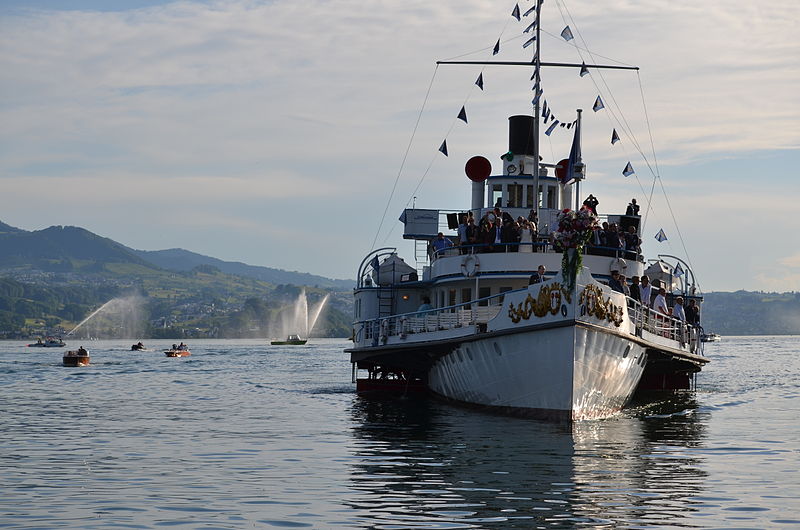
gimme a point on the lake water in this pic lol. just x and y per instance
(243, 434)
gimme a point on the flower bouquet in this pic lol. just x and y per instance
(574, 231)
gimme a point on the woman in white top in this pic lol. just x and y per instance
(526, 236)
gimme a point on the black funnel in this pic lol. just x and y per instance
(520, 135)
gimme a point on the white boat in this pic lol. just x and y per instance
(466, 323)
(710, 337)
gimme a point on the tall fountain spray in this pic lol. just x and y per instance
(118, 318)
(298, 319)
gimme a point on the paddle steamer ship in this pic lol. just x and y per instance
(566, 348)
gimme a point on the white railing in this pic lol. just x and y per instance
(471, 313)
(663, 325)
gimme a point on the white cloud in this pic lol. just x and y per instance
(311, 104)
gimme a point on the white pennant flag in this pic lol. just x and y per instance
(678, 271)
(566, 33)
(661, 236)
(584, 70)
(533, 24)
(598, 104)
(515, 13)
(614, 137)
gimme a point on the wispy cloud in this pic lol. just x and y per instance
(246, 100)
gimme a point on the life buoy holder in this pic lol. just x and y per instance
(619, 264)
(470, 265)
(384, 330)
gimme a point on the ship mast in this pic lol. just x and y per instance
(537, 90)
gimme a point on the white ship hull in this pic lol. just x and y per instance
(572, 373)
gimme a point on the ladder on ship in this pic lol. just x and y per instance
(420, 255)
(385, 301)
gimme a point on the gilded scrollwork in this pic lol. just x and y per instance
(593, 303)
(547, 301)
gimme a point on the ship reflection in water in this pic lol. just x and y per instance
(421, 464)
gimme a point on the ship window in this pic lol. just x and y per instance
(515, 195)
(551, 197)
(451, 299)
(466, 295)
(497, 194)
(541, 198)
(529, 196)
(484, 292)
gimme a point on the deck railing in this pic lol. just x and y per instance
(471, 313)
(482, 310)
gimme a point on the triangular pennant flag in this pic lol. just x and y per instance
(563, 124)
(515, 13)
(566, 33)
(496, 48)
(443, 148)
(584, 70)
(569, 125)
(598, 104)
(529, 11)
(549, 130)
(532, 25)
(628, 171)
(545, 110)
(529, 42)
(614, 137)
(479, 81)
(661, 236)
(535, 73)
(463, 115)
(678, 271)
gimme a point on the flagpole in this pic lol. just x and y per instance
(537, 63)
(579, 132)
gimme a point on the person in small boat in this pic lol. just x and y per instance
(182, 346)
(82, 351)
(174, 347)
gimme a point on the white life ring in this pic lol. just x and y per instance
(470, 265)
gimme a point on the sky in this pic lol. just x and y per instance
(272, 131)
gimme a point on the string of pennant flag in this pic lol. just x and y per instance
(547, 114)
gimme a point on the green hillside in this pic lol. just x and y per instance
(52, 279)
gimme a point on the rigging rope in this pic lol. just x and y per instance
(405, 157)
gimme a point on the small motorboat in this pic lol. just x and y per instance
(292, 340)
(48, 342)
(181, 350)
(710, 337)
(79, 357)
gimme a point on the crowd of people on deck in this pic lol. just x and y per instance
(643, 292)
(498, 231)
